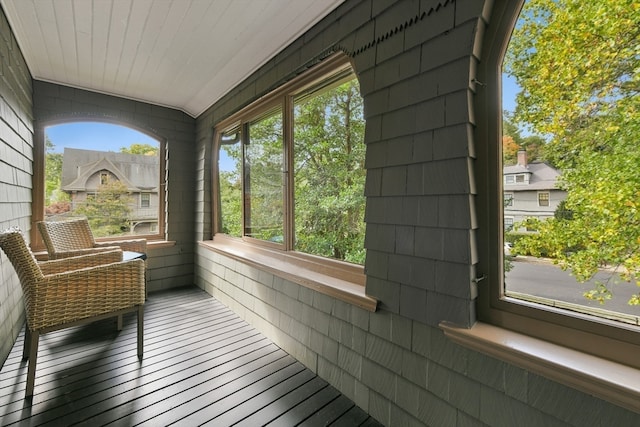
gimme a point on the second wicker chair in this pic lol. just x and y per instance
(73, 237)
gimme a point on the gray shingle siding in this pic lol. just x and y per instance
(415, 60)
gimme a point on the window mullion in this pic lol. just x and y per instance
(288, 176)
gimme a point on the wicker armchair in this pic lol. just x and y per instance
(67, 292)
(73, 237)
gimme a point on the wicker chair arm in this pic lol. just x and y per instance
(133, 245)
(78, 262)
(82, 252)
(79, 294)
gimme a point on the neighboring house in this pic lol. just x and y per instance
(83, 171)
(530, 190)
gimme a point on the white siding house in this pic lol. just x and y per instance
(530, 190)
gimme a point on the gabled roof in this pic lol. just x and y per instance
(541, 177)
(137, 172)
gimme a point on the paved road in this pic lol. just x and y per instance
(549, 281)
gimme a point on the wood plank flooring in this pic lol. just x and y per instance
(202, 365)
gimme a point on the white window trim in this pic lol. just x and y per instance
(548, 199)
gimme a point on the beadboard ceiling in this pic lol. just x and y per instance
(184, 54)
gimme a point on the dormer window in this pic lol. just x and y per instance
(520, 178)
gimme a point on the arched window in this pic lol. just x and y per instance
(109, 173)
(518, 296)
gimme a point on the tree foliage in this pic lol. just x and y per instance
(513, 141)
(263, 179)
(109, 210)
(231, 202)
(144, 149)
(578, 64)
(328, 176)
(56, 201)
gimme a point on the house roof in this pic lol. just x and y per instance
(181, 54)
(542, 177)
(137, 172)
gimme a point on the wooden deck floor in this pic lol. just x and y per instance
(202, 365)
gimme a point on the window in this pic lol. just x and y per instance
(608, 331)
(520, 178)
(291, 167)
(109, 173)
(263, 178)
(508, 200)
(543, 199)
(145, 200)
(508, 223)
(509, 179)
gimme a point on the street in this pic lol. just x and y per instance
(550, 281)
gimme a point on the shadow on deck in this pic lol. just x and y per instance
(202, 365)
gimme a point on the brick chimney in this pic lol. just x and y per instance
(522, 158)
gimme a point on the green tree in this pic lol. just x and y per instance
(263, 180)
(329, 174)
(512, 141)
(108, 210)
(230, 185)
(578, 64)
(56, 201)
(144, 149)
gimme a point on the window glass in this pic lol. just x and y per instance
(145, 200)
(543, 199)
(294, 175)
(100, 171)
(329, 172)
(230, 182)
(571, 113)
(263, 174)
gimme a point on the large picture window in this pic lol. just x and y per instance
(565, 262)
(291, 167)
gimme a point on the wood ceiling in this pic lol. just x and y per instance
(184, 54)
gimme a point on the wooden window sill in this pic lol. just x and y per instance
(605, 379)
(333, 278)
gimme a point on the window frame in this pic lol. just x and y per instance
(145, 200)
(284, 96)
(544, 196)
(598, 337)
(38, 192)
(508, 226)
